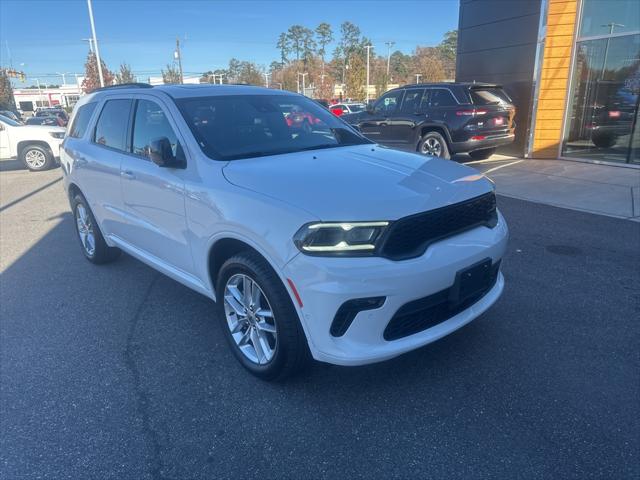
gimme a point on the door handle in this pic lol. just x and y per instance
(128, 174)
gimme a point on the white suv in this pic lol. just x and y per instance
(36, 146)
(312, 241)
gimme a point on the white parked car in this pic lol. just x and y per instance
(312, 242)
(36, 146)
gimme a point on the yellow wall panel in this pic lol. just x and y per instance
(561, 19)
(549, 115)
(570, 6)
(557, 52)
(559, 41)
(552, 94)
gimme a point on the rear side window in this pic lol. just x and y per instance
(81, 120)
(442, 98)
(111, 128)
(411, 102)
(150, 123)
(488, 96)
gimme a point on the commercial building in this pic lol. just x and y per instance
(29, 99)
(572, 68)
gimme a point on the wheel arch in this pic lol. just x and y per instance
(22, 144)
(426, 128)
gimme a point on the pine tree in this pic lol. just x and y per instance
(91, 77)
(6, 92)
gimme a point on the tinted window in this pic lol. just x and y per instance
(356, 108)
(150, 123)
(81, 120)
(240, 126)
(111, 128)
(411, 102)
(488, 96)
(442, 98)
(389, 103)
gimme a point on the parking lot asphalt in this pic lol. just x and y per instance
(119, 372)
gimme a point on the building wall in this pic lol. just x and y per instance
(554, 78)
(497, 43)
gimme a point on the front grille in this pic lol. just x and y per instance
(427, 312)
(410, 236)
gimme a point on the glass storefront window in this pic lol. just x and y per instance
(603, 99)
(604, 17)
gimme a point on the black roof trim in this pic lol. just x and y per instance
(123, 85)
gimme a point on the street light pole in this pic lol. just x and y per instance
(178, 56)
(389, 46)
(418, 75)
(62, 74)
(368, 47)
(266, 79)
(95, 43)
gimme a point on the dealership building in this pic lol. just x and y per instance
(572, 68)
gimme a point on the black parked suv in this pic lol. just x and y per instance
(440, 119)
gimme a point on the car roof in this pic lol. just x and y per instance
(452, 84)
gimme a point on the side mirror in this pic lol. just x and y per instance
(160, 153)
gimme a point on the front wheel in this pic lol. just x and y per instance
(482, 154)
(259, 319)
(434, 144)
(37, 158)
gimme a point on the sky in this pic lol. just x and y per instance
(43, 38)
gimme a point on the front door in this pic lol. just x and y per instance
(377, 124)
(5, 150)
(153, 196)
(408, 117)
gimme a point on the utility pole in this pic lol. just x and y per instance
(178, 56)
(368, 47)
(418, 75)
(62, 74)
(389, 46)
(95, 43)
(303, 84)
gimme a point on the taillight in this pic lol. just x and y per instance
(478, 137)
(614, 114)
(470, 113)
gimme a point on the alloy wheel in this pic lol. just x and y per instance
(35, 159)
(250, 319)
(85, 230)
(432, 146)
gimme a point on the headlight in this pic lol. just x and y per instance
(339, 238)
(57, 134)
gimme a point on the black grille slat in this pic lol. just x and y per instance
(410, 236)
(427, 312)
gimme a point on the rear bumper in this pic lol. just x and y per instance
(489, 142)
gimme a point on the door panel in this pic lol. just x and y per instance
(5, 151)
(378, 125)
(153, 196)
(404, 122)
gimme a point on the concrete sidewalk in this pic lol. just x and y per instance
(602, 189)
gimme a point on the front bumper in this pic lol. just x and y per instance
(489, 142)
(324, 284)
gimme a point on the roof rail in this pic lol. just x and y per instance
(123, 85)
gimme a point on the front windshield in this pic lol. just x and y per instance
(9, 121)
(231, 127)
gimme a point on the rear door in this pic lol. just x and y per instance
(442, 105)
(376, 124)
(153, 196)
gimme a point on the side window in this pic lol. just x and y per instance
(442, 98)
(411, 102)
(111, 128)
(150, 123)
(389, 102)
(81, 120)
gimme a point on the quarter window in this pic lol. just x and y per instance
(150, 123)
(81, 120)
(111, 128)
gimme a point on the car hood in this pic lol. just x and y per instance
(364, 182)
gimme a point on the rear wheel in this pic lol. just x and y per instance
(36, 158)
(482, 154)
(94, 247)
(604, 139)
(434, 144)
(259, 319)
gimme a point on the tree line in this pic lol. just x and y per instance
(304, 59)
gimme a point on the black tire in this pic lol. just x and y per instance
(102, 253)
(482, 154)
(604, 139)
(291, 349)
(434, 144)
(37, 158)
